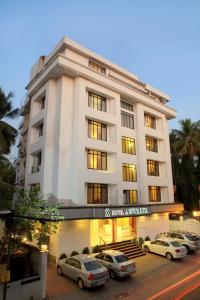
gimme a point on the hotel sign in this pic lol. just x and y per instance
(126, 212)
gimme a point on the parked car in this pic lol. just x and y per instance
(117, 262)
(166, 247)
(84, 269)
(189, 241)
(195, 235)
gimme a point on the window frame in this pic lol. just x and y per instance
(101, 129)
(153, 168)
(128, 200)
(153, 144)
(96, 67)
(97, 189)
(149, 119)
(99, 156)
(97, 102)
(127, 174)
(154, 194)
(125, 147)
(126, 105)
(127, 120)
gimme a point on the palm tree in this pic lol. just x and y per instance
(8, 133)
(187, 139)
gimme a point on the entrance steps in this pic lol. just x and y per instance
(127, 247)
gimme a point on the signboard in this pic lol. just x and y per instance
(5, 276)
(126, 212)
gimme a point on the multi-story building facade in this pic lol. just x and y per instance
(97, 141)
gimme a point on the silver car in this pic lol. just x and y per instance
(117, 262)
(84, 269)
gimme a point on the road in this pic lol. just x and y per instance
(156, 279)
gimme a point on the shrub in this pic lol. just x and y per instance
(74, 253)
(96, 249)
(134, 240)
(86, 250)
(63, 255)
(140, 241)
(147, 238)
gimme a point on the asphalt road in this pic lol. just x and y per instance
(156, 278)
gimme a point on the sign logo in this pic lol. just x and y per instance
(107, 213)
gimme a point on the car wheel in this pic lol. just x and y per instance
(146, 249)
(187, 249)
(80, 283)
(169, 256)
(59, 271)
(112, 274)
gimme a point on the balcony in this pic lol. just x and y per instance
(35, 169)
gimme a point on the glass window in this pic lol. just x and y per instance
(40, 129)
(154, 194)
(152, 168)
(97, 67)
(151, 144)
(39, 158)
(127, 120)
(128, 145)
(92, 265)
(149, 121)
(77, 264)
(130, 197)
(126, 105)
(96, 160)
(100, 256)
(129, 172)
(121, 258)
(97, 130)
(109, 258)
(96, 101)
(97, 193)
(43, 102)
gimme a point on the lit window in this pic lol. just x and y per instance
(128, 145)
(127, 120)
(97, 67)
(97, 193)
(96, 101)
(97, 130)
(126, 105)
(129, 172)
(154, 194)
(97, 160)
(149, 121)
(152, 168)
(130, 197)
(151, 144)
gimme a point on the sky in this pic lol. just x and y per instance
(157, 40)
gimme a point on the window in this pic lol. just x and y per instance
(128, 145)
(96, 160)
(130, 197)
(149, 121)
(39, 158)
(109, 259)
(40, 129)
(151, 144)
(97, 67)
(97, 130)
(126, 105)
(37, 162)
(43, 102)
(129, 172)
(154, 194)
(96, 101)
(97, 193)
(77, 264)
(127, 120)
(152, 168)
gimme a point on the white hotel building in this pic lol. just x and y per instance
(96, 138)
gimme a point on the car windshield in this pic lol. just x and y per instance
(92, 265)
(175, 244)
(191, 237)
(121, 258)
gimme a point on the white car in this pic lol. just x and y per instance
(189, 241)
(166, 247)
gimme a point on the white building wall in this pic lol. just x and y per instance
(152, 225)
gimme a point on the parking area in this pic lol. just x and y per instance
(156, 278)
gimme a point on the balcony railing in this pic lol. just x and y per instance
(35, 169)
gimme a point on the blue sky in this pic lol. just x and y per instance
(157, 40)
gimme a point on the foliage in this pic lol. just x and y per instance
(140, 241)
(8, 133)
(147, 238)
(63, 255)
(86, 250)
(96, 249)
(74, 253)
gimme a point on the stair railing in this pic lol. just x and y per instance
(104, 243)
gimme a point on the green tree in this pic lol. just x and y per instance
(8, 133)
